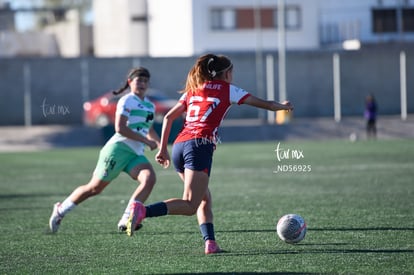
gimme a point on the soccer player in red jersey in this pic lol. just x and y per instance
(207, 97)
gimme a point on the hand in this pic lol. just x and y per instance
(152, 144)
(288, 105)
(163, 158)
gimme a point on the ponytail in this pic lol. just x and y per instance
(206, 68)
(211, 72)
(122, 89)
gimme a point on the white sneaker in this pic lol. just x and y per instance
(122, 226)
(55, 218)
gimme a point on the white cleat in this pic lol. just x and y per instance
(55, 218)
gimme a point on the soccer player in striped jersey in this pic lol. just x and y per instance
(206, 99)
(124, 151)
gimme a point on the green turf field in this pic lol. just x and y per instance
(357, 199)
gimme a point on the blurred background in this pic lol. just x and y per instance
(57, 57)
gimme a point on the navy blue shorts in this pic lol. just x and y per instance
(194, 154)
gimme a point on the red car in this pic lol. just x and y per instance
(100, 112)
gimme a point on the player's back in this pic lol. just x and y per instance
(207, 107)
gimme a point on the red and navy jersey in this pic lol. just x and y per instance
(207, 107)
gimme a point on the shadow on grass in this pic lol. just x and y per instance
(386, 228)
(317, 251)
(186, 232)
(31, 195)
(379, 228)
(241, 273)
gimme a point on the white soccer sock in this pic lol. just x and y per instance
(127, 210)
(66, 206)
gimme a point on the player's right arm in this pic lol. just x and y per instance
(162, 157)
(268, 104)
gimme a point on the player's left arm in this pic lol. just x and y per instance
(122, 128)
(153, 135)
(267, 104)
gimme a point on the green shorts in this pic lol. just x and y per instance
(115, 158)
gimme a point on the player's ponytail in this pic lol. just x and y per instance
(206, 68)
(136, 72)
(122, 89)
(211, 71)
(217, 65)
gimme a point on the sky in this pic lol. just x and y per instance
(23, 21)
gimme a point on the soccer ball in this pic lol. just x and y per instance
(291, 228)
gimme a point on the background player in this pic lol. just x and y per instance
(124, 151)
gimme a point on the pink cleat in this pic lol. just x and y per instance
(138, 212)
(212, 247)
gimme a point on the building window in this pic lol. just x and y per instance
(384, 20)
(292, 17)
(223, 19)
(408, 20)
(139, 18)
(244, 18)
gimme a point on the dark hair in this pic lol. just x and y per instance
(207, 67)
(135, 72)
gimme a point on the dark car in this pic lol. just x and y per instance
(100, 112)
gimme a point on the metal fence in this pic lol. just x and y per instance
(38, 91)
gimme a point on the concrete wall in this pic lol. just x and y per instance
(59, 87)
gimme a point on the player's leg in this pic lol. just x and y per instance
(94, 187)
(371, 131)
(374, 129)
(204, 211)
(195, 188)
(111, 162)
(196, 160)
(80, 194)
(144, 173)
(205, 221)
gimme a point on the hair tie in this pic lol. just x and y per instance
(212, 72)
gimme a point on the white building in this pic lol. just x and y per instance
(161, 28)
(62, 35)
(370, 21)
(190, 27)
(120, 28)
(217, 25)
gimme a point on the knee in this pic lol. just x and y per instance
(148, 179)
(206, 202)
(191, 209)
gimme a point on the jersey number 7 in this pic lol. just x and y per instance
(193, 113)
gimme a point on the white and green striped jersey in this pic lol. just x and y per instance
(140, 115)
